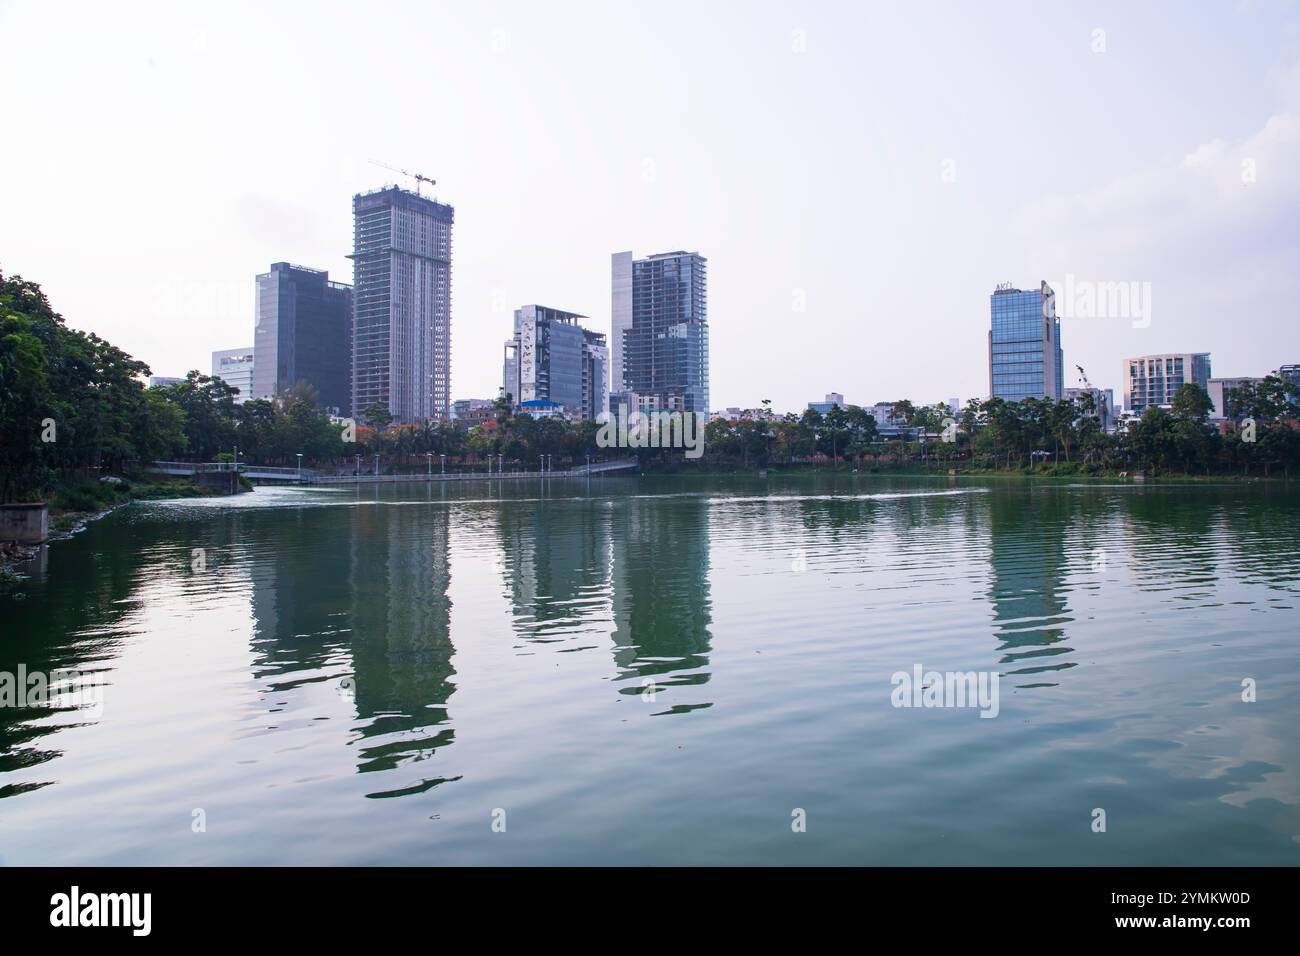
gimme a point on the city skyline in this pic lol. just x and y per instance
(1162, 150)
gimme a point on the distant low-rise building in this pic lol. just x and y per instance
(883, 413)
(1155, 379)
(1220, 389)
(235, 368)
(832, 399)
(734, 413)
(473, 411)
(541, 408)
(161, 381)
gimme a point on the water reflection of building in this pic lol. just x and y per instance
(556, 562)
(635, 569)
(662, 608)
(1027, 555)
(401, 637)
(298, 621)
(363, 592)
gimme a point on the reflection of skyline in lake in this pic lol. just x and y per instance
(374, 605)
(636, 566)
(418, 601)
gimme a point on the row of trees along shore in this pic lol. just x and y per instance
(1039, 436)
(73, 407)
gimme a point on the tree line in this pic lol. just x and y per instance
(1039, 435)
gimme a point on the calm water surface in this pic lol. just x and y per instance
(660, 671)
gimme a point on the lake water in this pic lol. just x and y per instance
(660, 671)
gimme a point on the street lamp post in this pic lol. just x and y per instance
(299, 466)
(443, 458)
(357, 470)
(376, 466)
(428, 455)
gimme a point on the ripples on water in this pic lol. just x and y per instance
(642, 671)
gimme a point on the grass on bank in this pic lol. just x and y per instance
(74, 499)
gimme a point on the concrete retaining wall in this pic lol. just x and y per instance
(26, 523)
(223, 482)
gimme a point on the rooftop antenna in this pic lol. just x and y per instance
(418, 177)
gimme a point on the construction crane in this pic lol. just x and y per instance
(1083, 377)
(418, 177)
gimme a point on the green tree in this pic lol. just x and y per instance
(23, 382)
(211, 420)
(1191, 403)
(161, 428)
(378, 416)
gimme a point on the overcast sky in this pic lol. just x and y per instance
(879, 166)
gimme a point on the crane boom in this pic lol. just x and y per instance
(418, 177)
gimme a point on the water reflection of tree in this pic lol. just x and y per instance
(75, 615)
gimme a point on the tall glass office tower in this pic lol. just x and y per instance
(1025, 358)
(401, 351)
(660, 347)
(303, 333)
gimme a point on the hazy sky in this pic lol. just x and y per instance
(882, 165)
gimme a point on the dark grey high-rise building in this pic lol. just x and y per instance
(402, 314)
(303, 333)
(660, 331)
